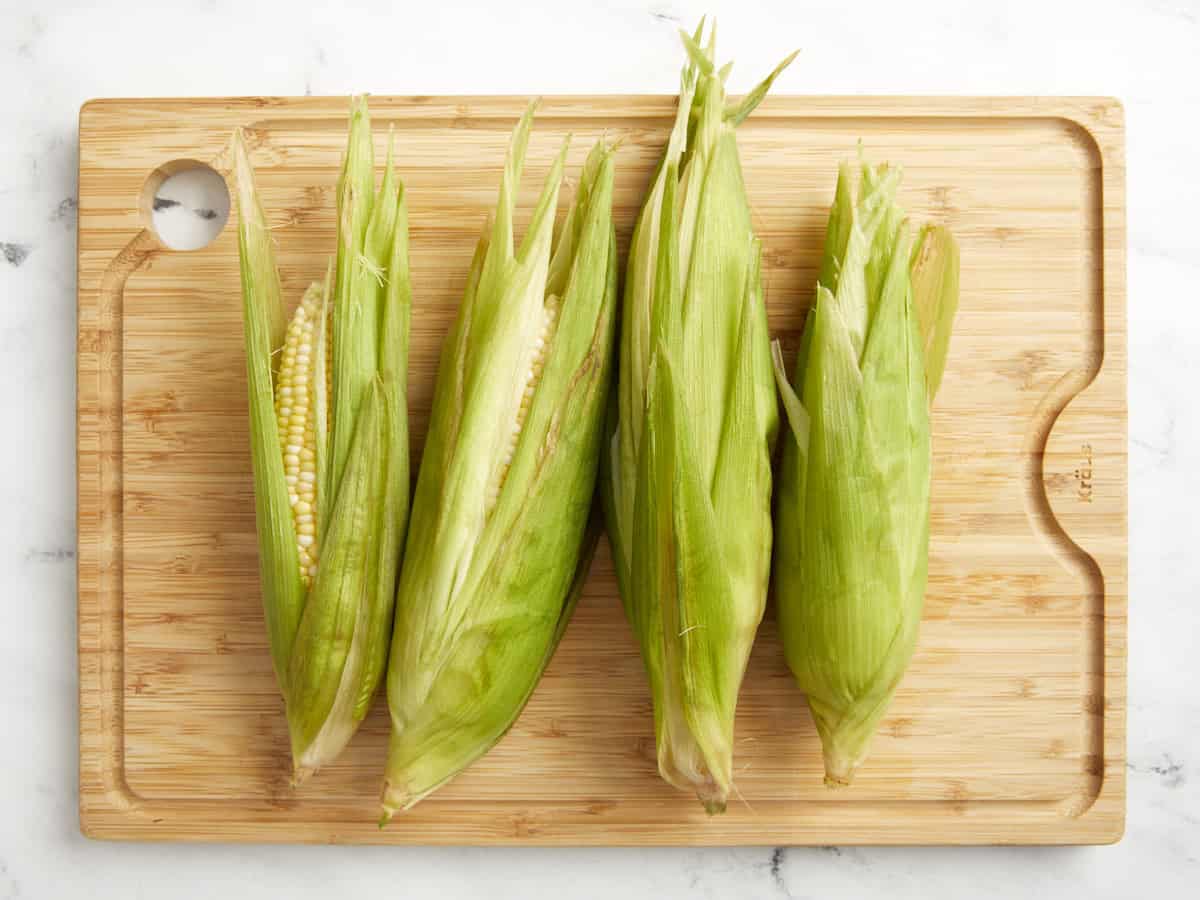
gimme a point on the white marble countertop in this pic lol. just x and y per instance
(54, 55)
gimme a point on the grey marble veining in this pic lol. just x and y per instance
(55, 55)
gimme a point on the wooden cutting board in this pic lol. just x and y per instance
(1008, 728)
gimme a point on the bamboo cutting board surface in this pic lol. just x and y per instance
(1009, 726)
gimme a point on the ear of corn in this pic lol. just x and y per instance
(687, 484)
(329, 448)
(853, 499)
(499, 543)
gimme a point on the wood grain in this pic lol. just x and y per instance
(1010, 725)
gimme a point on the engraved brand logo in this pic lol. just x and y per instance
(1083, 475)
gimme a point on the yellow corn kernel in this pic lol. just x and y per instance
(294, 410)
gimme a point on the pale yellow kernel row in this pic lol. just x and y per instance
(536, 364)
(294, 409)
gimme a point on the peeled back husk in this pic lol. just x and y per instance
(329, 445)
(687, 482)
(852, 511)
(499, 543)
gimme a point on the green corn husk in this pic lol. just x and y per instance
(687, 486)
(852, 515)
(500, 543)
(329, 624)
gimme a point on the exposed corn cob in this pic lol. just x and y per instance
(329, 444)
(299, 387)
(688, 480)
(853, 506)
(499, 542)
